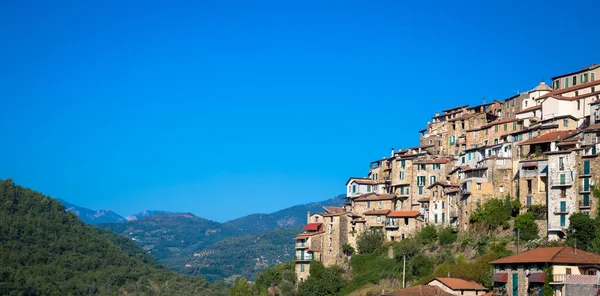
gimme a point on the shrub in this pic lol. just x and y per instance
(408, 247)
(369, 241)
(494, 213)
(583, 229)
(325, 281)
(348, 249)
(428, 234)
(525, 223)
(447, 236)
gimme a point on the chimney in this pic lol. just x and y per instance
(308, 217)
(392, 155)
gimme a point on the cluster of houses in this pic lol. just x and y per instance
(538, 146)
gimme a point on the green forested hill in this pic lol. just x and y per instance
(46, 251)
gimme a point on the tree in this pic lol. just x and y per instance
(525, 223)
(369, 241)
(582, 229)
(241, 287)
(348, 250)
(322, 282)
(428, 234)
(548, 290)
(447, 236)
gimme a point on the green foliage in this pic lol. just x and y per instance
(369, 241)
(539, 211)
(419, 266)
(548, 289)
(407, 247)
(494, 213)
(525, 223)
(428, 234)
(273, 276)
(584, 230)
(447, 236)
(347, 249)
(46, 251)
(323, 282)
(241, 287)
(371, 268)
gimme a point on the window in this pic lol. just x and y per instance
(368, 204)
(443, 218)
(563, 193)
(526, 104)
(561, 164)
(529, 187)
(585, 77)
(501, 188)
(438, 166)
(578, 105)
(451, 140)
(353, 188)
(420, 190)
(378, 219)
(563, 223)
(529, 200)
(435, 219)
(368, 188)
(443, 204)
(514, 125)
(486, 131)
(431, 180)
(567, 82)
(380, 203)
(402, 175)
(505, 126)
(403, 163)
(301, 267)
(592, 76)
(463, 159)
(478, 186)
(475, 134)
(469, 155)
(565, 122)
(496, 128)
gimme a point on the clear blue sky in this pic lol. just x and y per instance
(225, 108)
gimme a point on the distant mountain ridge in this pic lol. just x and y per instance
(294, 216)
(145, 214)
(92, 216)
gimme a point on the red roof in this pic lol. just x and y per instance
(549, 137)
(500, 277)
(313, 226)
(564, 255)
(459, 284)
(537, 277)
(377, 212)
(421, 290)
(403, 214)
(333, 210)
(374, 196)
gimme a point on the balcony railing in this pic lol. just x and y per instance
(562, 181)
(561, 210)
(585, 204)
(585, 188)
(301, 245)
(305, 257)
(558, 278)
(391, 225)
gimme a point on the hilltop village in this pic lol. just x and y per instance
(538, 146)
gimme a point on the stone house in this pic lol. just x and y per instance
(359, 186)
(457, 286)
(587, 74)
(572, 101)
(575, 272)
(562, 192)
(402, 224)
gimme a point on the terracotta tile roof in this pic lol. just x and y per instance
(592, 67)
(363, 195)
(577, 97)
(592, 128)
(500, 277)
(569, 89)
(459, 284)
(421, 290)
(365, 181)
(537, 107)
(377, 212)
(333, 210)
(465, 116)
(403, 214)
(549, 137)
(423, 199)
(443, 184)
(375, 196)
(578, 279)
(564, 255)
(313, 226)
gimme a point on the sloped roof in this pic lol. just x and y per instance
(421, 290)
(546, 138)
(377, 212)
(507, 120)
(333, 210)
(374, 197)
(443, 184)
(313, 226)
(569, 89)
(365, 181)
(403, 214)
(552, 255)
(432, 161)
(541, 87)
(536, 107)
(591, 67)
(459, 284)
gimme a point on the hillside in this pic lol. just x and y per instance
(170, 235)
(47, 251)
(92, 216)
(144, 214)
(239, 256)
(290, 217)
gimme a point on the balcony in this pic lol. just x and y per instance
(453, 213)
(301, 245)
(585, 204)
(391, 225)
(465, 191)
(563, 180)
(585, 188)
(305, 257)
(561, 210)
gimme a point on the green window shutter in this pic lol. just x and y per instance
(505, 126)
(592, 77)
(566, 82)
(496, 128)
(514, 125)
(463, 159)
(563, 220)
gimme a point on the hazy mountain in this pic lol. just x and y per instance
(145, 214)
(92, 216)
(290, 217)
